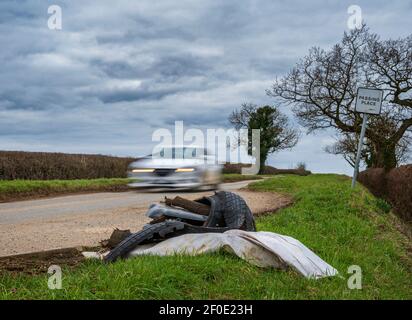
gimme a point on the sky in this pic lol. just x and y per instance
(119, 70)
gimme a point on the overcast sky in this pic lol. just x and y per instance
(118, 70)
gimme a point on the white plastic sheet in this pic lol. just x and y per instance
(263, 249)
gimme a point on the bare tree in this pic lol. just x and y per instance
(322, 87)
(384, 126)
(347, 144)
(276, 133)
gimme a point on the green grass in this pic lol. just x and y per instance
(26, 189)
(20, 189)
(343, 226)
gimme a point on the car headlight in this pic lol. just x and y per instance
(185, 170)
(142, 170)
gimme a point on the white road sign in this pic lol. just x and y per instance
(369, 101)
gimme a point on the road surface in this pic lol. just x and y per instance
(21, 211)
(84, 220)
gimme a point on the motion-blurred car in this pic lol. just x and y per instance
(176, 167)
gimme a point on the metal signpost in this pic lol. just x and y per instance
(368, 101)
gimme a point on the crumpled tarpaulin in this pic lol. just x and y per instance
(263, 249)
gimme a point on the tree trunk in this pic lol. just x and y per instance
(262, 164)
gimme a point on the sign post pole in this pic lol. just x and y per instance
(368, 101)
(360, 145)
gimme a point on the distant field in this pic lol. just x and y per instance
(344, 227)
(26, 189)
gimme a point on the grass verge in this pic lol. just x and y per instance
(11, 190)
(343, 226)
(26, 189)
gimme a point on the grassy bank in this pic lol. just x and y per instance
(342, 226)
(11, 190)
(26, 189)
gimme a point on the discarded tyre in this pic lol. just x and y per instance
(149, 233)
(227, 211)
(236, 213)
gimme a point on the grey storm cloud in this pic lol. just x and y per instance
(119, 70)
(134, 94)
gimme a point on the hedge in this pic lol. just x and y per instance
(236, 168)
(394, 186)
(46, 166)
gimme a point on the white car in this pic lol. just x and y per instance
(176, 167)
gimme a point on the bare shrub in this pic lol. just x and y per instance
(394, 186)
(274, 171)
(269, 170)
(375, 180)
(399, 190)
